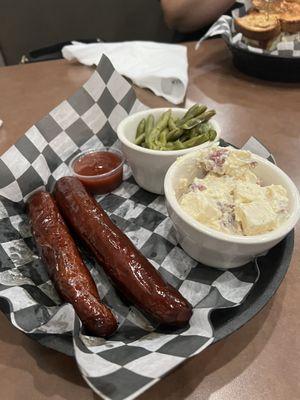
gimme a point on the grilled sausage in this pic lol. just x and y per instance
(129, 270)
(65, 266)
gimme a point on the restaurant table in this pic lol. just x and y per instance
(259, 361)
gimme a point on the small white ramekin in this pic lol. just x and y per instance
(218, 249)
(149, 167)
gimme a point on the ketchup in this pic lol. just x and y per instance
(100, 171)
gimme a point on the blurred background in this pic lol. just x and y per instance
(29, 25)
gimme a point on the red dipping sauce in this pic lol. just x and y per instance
(101, 171)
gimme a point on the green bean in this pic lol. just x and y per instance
(189, 134)
(186, 136)
(203, 127)
(161, 124)
(208, 115)
(168, 146)
(190, 111)
(193, 112)
(212, 134)
(197, 120)
(162, 141)
(194, 132)
(171, 124)
(174, 134)
(192, 123)
(140, 139)
(141, 128)
(149, 126)
(196, 140)
(164, 119)
(177, 145)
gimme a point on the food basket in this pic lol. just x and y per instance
(281, 64)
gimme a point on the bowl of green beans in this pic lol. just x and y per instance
(153, 139)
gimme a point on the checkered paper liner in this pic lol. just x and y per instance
(138, 355)
(224, 26)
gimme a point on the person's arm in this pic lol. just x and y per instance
(190, 15)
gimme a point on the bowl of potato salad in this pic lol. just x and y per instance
(229, 206)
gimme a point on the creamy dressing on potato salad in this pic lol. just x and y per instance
(230, 197)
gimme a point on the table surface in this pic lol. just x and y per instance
(262, 359)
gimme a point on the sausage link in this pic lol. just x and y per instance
(65, 266)
(129, 270)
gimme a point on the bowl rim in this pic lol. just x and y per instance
(277, 233)
(128, 143)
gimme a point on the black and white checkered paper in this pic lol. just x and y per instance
(138, 355)
(224, 26)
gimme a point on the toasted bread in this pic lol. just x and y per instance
(258, 26)
(286, 7)
(290, 20)
(269, 22)
(290, 24)
(275, 6)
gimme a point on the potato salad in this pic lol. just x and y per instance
(231, 198)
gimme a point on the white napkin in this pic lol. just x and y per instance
(158, 66)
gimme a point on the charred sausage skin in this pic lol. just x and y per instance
(132, 274)
(65, 266)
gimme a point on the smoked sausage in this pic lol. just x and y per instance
(65, 266)
(132, 274)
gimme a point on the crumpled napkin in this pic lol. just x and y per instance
(160, 67)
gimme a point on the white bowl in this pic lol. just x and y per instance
(149, 167)
(218, 249)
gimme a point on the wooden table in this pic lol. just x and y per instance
(262, 360)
